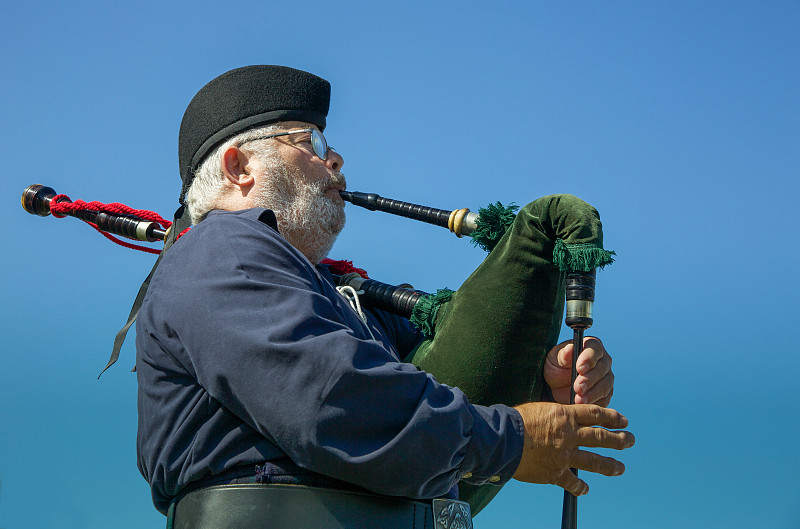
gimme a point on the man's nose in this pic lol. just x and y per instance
(334, 160)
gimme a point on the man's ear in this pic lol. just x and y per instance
(236, 169)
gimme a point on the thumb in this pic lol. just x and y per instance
(564, 356)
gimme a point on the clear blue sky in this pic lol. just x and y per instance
(679, 121)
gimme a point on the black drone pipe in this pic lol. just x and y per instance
(396, 299)
(37, 200)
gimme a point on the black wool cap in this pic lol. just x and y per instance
(246, 98)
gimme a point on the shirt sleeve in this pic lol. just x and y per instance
(272, 341)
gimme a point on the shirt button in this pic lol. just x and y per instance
(494, 479)
(467, 475)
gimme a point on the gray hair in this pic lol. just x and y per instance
(208, 185)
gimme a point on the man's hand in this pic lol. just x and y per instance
(554, 432)
(595, 381)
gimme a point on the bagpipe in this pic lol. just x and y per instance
(491, 336)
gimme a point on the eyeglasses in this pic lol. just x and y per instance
(318, 143)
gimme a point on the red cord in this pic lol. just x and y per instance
(68, 205)
(59, 209)
(123, 243)
(344, 267)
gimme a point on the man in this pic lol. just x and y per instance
(253, 369)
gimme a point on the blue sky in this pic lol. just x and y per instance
(679, 121)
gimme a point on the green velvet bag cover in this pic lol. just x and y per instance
(490, 338)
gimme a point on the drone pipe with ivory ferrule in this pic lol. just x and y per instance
(37, 200)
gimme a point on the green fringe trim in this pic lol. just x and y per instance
(493, 221)
(580, 257)
(423, 316)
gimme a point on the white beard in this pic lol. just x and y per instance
(307, 218)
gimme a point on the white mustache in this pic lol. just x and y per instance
(337, 179)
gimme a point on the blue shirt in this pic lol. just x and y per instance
(246, 354)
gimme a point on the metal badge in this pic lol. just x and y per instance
(451, 514)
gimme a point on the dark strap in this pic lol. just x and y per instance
(256, 506)
(181, 222)
(119, 339)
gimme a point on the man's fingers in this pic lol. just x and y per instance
(571, 483)
(592, 370)
(602, 438)
(598, 464)
(593, 352)
(591, 415)
(605, 401)
(594, 392)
